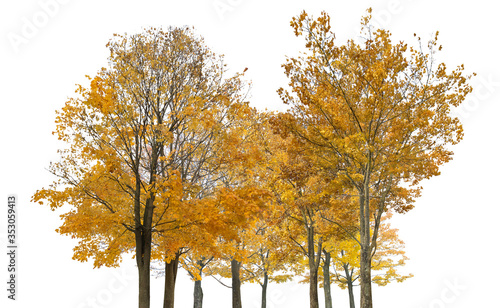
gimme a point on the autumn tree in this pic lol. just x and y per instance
(228, 201)
(270, 259)
(124, 171)
(304, 197)
(195, 265)
(227, 198)
(309, 202)
(225, 249)
(256, 255)
(376, 115)
(230, 265)
(389, 257)
(205, 151)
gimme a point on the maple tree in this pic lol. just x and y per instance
(269, 258)
(265, 258)
(197, 258)
(137, 149)
(243, 208)
(303, 216)
(306, 198)
(376, 115)
(230, 264)
(308, 202)
(165, 158)
(344, 255)
(230, 204)
(214, 149)
(255, 254)
(195, 268)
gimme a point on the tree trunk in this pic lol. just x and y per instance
(143, 247)
(365, 251)
(313, 290)
(198, 294)
(326, 280)
(365, 241)
(314, 259)
(264, 291)
(144, 283)
(348, 276)
(170, 277)
(365, 276)
(236, 283)
(352, 304)
(198, 290)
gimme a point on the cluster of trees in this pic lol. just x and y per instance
(166, 159)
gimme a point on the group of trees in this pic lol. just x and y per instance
(166, 159)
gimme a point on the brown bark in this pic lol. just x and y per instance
(326, 280)
(314, 259)
(143, 256)
(365, 241)
(144, 285)
(170, 277)
(365, 276)
(236, 283)
(143, 246)
(313, 290)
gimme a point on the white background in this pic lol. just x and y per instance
(451, 236)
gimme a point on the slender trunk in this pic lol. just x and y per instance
(348, 276)
(326, 280)
(365, 251)
(170, 277)
(198, 290)
(314, 259)
(365, 241)
(198, 294)
(236, 283)
(352, 304)
(264, 291)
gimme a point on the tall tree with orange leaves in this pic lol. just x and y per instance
(310, 207)
(130, 137)
(220, 196)
(376, 115)
(210, 146)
